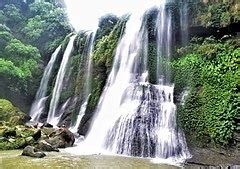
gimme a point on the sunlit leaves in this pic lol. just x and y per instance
(17, 50)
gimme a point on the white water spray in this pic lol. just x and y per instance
(52, 117)
(40, 99)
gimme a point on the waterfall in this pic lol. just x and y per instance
(87, 85)
(164, 44)
(40, 99)
(135, 117)
(124, 71)
(53, 118)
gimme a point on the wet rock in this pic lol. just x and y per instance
(237, 137)
(65, 120)
(61, 138)
(46, 132)
(37, 135)
(45, 146)
(213, 157)
(32, 152)
(47, 125)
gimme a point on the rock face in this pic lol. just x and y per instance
(32, 152)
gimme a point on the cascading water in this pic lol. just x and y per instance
(164, 44)
(40, 99)
(53, 118)
(87, 86)
(135, 117)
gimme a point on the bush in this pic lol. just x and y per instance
(210, 71)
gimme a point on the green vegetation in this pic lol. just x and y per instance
(215, 14)
(102, 60)
(29, 33)
(10, 114)
(210, 71)
(46, 23)
(12, 135)
(105, 47)
(16, 137)
(7, 110)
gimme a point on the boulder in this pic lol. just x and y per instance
(25, 131)
(66, 120)
(37, 135)
(47, 125)
(32, 152)
(61, 138)
(45, 146)
(46, 132)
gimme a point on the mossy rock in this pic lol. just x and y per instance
(23, 131)
(9, 132)
(20, 119)
(13, 143)
(16, 137)
(10, 113)
(7, 110)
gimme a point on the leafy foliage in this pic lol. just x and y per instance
(215, 14)
(106, 24)
(29, 33)
(105, 47)
(45, 24)
(13, 16)
(211, 72)
(17, 50)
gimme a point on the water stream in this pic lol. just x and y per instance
(135, 117)
(52, 117)
(39, 104)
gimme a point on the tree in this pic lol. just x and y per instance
(47, 23)
(18, 51)
(106, 24)
(13, 16)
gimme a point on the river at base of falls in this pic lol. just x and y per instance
(13, 160)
